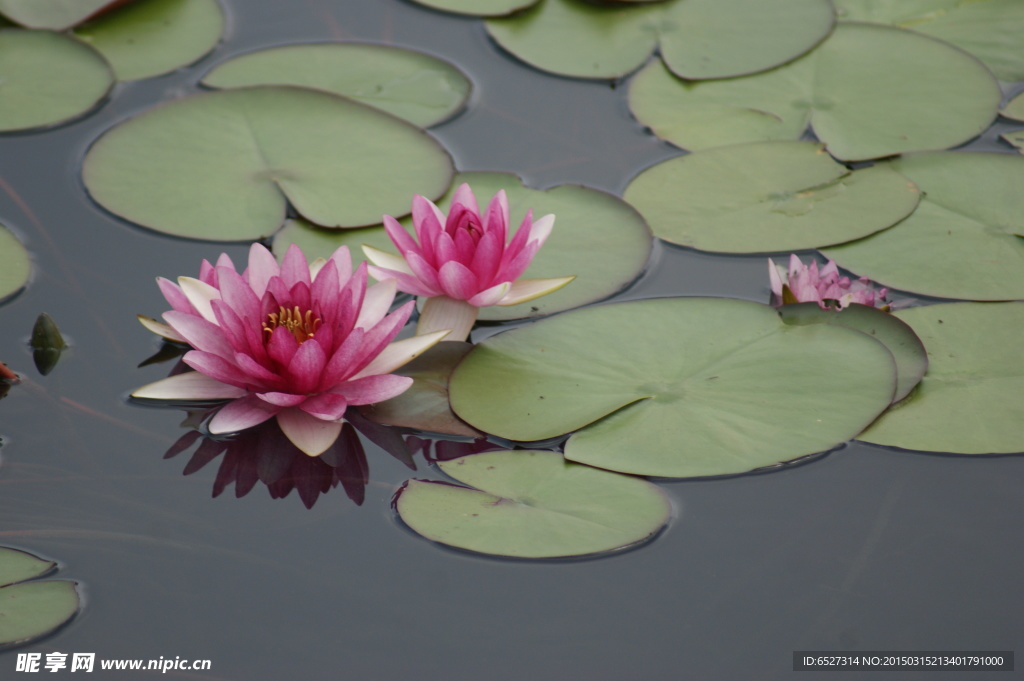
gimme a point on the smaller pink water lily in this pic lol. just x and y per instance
(805, 283)
(298, 342)
(463, 261)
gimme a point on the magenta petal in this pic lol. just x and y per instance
(458, 281)
(402, 240)
(326, 406)
(404, 282)
(487, 257)
(496, 218)
(341, 365)
(306, 368)
(310, 434)
(282, 346)
(325, 286)
(200, 334)
(423, 270)
(245, 412)
(177, 299)
(371, 389)
(464, 196)
(282, 399)
(261, 376)
(217, 368)
(294, 267)
(342, 261)
(236, 293)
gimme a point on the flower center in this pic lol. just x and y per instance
(303, 327)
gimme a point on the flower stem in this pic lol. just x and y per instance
(440, 313)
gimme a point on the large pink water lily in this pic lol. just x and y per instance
(805, 283)
(299, 342)
(463, 261)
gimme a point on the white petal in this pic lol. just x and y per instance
(442, 312)
(376, 303)
(388, 261)
(308, 433)
(400, 353)
(189, 386)
(160, 329)
(199, 294)
(525, 290)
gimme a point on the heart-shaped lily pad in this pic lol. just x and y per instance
(906, 348)
(424, 406)
(152, 37)
(34, 609)
(47, 78)
(989, 29)
(1014, 108)
(676, 387)
(533, 504)
(15, 264)
(224, 165)
(423, 90)
(867, 91)
(696, 38)
(964, 240)
(597, 237)
(54, 14)
(767, 196)
(480, 8)
(969, 402)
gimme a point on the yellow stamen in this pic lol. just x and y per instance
(302, 327)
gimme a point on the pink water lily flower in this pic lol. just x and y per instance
(805, 283)
(297, 341)
(463, 261)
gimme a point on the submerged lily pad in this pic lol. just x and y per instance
(224, 165)
(597, 237)
(47, 78)
(424, 406)
(696, 38)
(989, 29)
(54, 14)
(767, 196)
(34, 609)
(1015, 137)
(151, 37)
(969, 402)
(423, 90)
(906, 348)
(15, 264)
(676, 387)
(533, 504)
(867, 91)
(963, 241)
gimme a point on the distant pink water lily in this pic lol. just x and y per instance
(463, 261)
(805, 283)
(297, 341)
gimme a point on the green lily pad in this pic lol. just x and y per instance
(1014, 108)
(54, 14)
(533, 504)
(963, 241)
(597, 237)
(767, 196)
(224, 165)
(969, 401)
(424, 406)
(868, 91)
(47, 78)
(423, 90)
(906, 348)
(696, 38)
(34, 609)
(1015, 137)
(989, 29)
(15, 264)
(152, 37)
(480, 8)
(676, 387)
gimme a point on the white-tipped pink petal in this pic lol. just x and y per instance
(199, 294)
(262, 266)
(525, 290)
(188, 386)
(245, 412)
(310, 434)
(541, 229)
(160, 329)
(400, 353)
(385, 260)
(491, 296)
(373, 389)
(464, 195)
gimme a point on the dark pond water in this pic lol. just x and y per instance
(866, 548)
